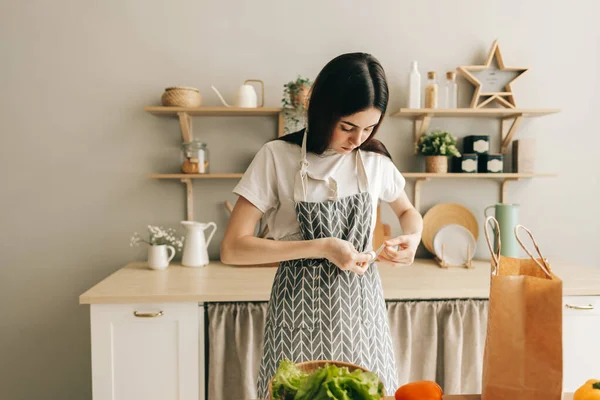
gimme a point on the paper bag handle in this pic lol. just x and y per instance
(545, 267)
(495, 255)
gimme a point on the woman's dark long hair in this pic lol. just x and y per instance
(348, 84)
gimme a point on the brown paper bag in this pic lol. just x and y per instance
(523, 348)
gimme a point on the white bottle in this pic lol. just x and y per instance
(414, 87)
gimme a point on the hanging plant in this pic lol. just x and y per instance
(295, 103)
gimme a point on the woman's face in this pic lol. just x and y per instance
(352, 130)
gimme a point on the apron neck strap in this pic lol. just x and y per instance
(303, 147)
(300, 181)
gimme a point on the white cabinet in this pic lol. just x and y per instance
(147, 351)
(581, 340)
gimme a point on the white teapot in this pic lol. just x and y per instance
(245, 96)
(195, 248)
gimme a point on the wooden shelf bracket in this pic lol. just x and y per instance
(507, 135)
(185, 122)
(502, 178)
(189, 190)
(421, 126)
(504, 189)
(417, 193)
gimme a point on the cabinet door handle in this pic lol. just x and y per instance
(147, 314)
(588, 307)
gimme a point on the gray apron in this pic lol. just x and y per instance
(319, 312)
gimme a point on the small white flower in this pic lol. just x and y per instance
(158, 235)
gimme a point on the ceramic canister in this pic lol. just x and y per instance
(478, 144)
(507, 216)
(468, 163)
(492, 163)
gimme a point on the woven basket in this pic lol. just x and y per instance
(436, 164)
(180, 96)
(310, 366)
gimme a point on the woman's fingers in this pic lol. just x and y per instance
(401, 257)
(360, 263)
(360, 269)
(363, 258)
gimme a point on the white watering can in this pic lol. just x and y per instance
(245, 96)
(195, 248)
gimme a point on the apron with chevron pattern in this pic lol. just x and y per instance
(319, 312)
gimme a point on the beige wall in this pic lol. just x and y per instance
(76, 144)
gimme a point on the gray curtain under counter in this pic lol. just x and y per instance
(440, 340)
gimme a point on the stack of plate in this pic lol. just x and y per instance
(450, 231)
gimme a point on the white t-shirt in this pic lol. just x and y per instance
(268, 183)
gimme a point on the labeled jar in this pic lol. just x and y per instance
(194, 156)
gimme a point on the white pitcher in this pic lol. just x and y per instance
(158, 257)
(195, 248)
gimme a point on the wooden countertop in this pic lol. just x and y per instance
(135, 283)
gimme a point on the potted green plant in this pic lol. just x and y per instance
(295, 102)
(437, 146)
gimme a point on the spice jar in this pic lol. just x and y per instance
(431, 91)
(194, 157)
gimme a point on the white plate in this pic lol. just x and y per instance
(456, 239)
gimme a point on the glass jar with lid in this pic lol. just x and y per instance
(194, 157)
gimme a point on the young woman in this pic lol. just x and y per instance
(318, 190)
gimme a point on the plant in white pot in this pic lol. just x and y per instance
(295, 103)
(163, 244)
(437, 146)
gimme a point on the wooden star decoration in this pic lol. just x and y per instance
(492, 80)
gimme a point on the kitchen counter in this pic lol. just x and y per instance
(217, 282)
(124, 307)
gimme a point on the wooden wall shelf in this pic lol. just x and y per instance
(452, 175)
(214, 111)
(472, 112)
(185, 115)
(189, 187)
(408, 175)
(419, 178)
(421, 117)
(510, 118)
(195, 176)
(505, 178)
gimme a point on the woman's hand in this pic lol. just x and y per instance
(410, 221)
(343, 254)
(406, 250)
